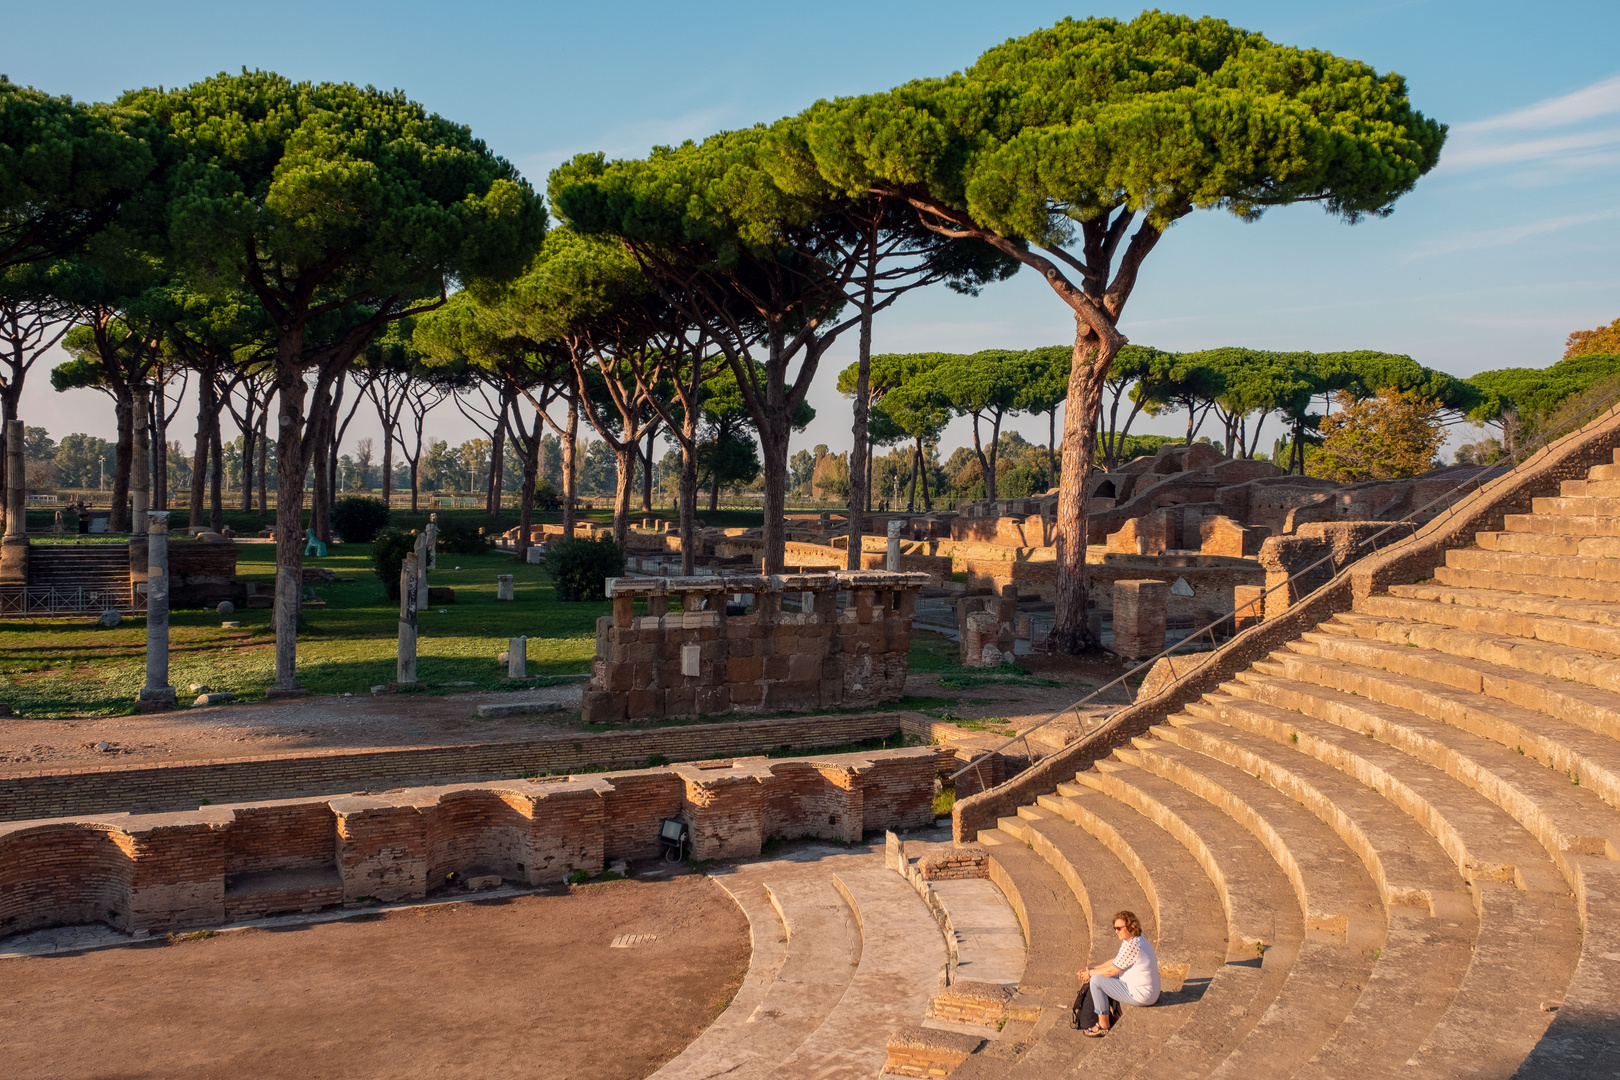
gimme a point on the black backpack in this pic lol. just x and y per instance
(1085, 1013)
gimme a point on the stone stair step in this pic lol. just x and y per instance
(1556, 631)
(1500, 599)
(1568, 685)
(1305, 987)
(1058, 941)
(806, 948)
(1562, 524)
(1537, 921)
(1590, 504)
(1524, 564)
(1596, 547)
(1499, 732)
(1571, 586)
(902, 965)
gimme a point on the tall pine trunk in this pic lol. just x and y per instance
(1071, 632)
(570, 484)
(860, 454)
(124, 409)
(216, 479)
(625, 454)
(207, 418)
(290, 469)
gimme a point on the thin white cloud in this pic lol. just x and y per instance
(1602, 98)
(1506, 235)
(1566, 132)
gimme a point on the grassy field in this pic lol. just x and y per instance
(73, 667)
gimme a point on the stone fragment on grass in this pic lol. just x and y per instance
(226, 608)
(110, 617)
(517, 708)
(218, 697)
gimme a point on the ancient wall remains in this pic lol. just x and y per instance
(202, 867)
(702, 661)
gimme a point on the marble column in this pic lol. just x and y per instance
(157, 694)
(892, 563)
(409, 584)
(14, 549)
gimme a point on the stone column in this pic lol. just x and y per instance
(14, 552)
(410, 581)
(157, 694)
(503, 587)
(432, 534)
(892, 563)
(517, 658)
(423, 552)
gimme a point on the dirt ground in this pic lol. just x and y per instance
(274, 727)
(521, 987)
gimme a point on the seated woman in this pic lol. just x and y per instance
(1132, 978)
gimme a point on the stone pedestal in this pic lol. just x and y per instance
(517, 658)
(432, 535)
(892, 562)
(503, 587)
(536, 555)
(157, 694)
(1139, 614)
(422, 552)
(410, 584)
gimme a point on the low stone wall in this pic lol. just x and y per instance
(700, 661)
(185, 786)
(1407, 561)
(203, 867)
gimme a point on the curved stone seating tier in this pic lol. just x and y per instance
(844, 952)
(1389, 847)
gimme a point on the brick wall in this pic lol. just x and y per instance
(169, 871)
(148, 788)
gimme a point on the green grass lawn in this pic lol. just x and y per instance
(77, 668)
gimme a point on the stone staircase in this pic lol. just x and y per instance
(1387, 846)
(96, 573)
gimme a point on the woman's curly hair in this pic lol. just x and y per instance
(1133, 925)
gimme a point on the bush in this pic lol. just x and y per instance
(461, 537)
(359, 519)
(580, 568)
(388, 553)
(546, 495)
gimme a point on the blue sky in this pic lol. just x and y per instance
(1495, 257)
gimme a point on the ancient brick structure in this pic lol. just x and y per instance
(1139, 612)
(702, 661)
(216, 863)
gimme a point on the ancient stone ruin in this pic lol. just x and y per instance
(788, 641)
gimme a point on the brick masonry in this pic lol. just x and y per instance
(185, 786)
(700, 661)
(201, 867)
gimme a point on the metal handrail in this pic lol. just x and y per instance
(1541, 444)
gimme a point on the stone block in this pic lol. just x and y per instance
(503, 587)
(647, 704)
(603, 707)
(745, 669)
(1247, 605)
(714, 699)
(691, 660)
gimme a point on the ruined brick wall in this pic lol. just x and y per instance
(197, 868)
(700, 661)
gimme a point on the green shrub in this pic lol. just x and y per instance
(546, 495)
(580, 568)
(461, 537)
(359, 519)
(388, 553)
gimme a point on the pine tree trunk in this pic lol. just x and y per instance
(1071, 633)
(264, 458)
(207, 418)
(688, 495)
(647, 473)
(124, 409)
(625, 454)
(570, 487)
(290, 470)
(216, 479)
